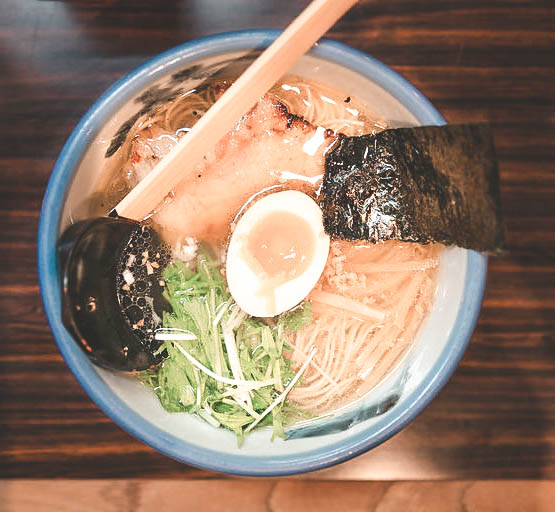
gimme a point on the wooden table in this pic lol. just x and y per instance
(476, 60)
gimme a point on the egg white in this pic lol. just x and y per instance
(243, 281)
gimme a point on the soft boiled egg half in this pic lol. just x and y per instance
(276, 253)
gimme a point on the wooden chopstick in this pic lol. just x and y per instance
(261, 75)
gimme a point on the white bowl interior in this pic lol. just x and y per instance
(415, 366)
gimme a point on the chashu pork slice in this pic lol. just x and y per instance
(268, 147)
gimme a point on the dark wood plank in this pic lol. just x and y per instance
(477, 61)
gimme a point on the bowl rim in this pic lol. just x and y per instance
(83, 370)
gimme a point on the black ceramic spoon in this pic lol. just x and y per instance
(112, 290)
(94, 254)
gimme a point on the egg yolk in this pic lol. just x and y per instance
(282, 244)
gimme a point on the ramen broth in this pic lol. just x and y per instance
(371, 298)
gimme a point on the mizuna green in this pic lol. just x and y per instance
(224, 366)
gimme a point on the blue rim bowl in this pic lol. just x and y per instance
(49, 277)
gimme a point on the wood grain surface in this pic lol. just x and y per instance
(475, 60)
(276, 495)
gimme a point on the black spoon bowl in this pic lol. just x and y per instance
(112, 289)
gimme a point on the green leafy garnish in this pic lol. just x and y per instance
(221, 364)
(297, 318)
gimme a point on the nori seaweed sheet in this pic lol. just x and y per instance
(424, 184)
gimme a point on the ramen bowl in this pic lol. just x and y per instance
(399, 398)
